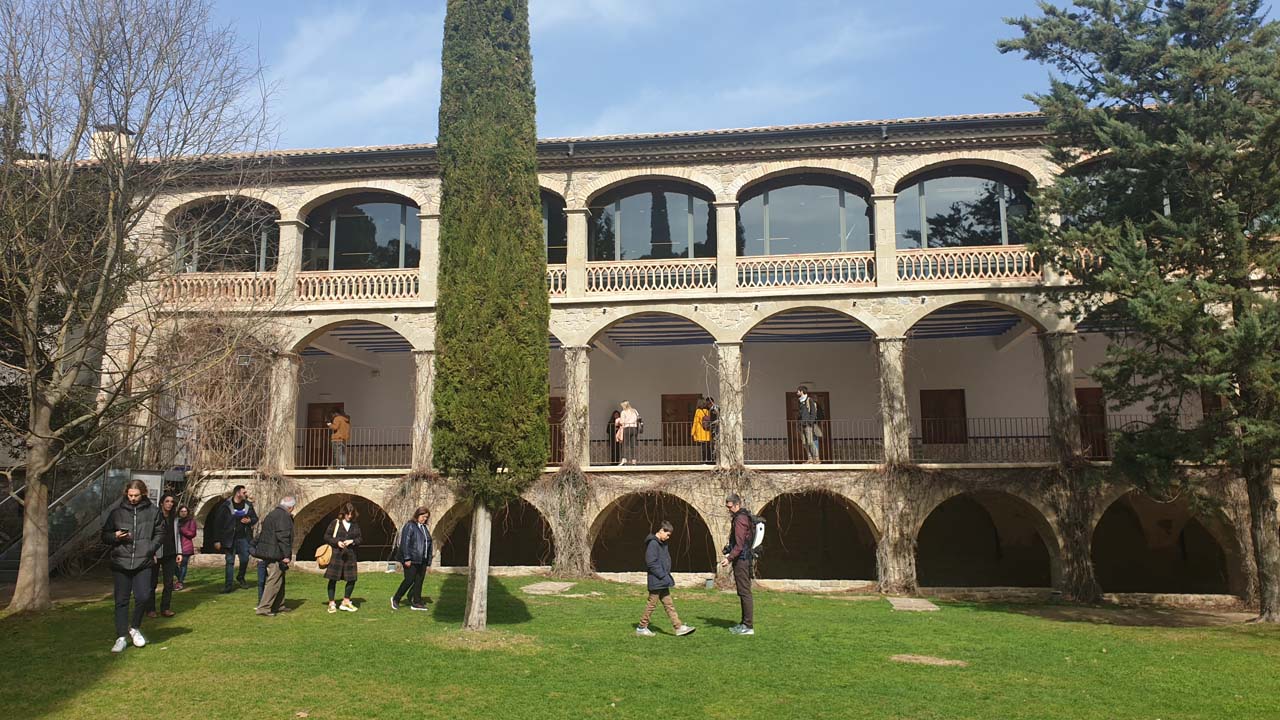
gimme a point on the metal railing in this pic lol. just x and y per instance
(816, 270)
(651, 275)
(784, 442)
(982, 440)
(556, 455)
(337, 285)
(367, 447)
(992, 262)
(668, 443)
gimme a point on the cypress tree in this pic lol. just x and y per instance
(491, 391)
(1166, 117)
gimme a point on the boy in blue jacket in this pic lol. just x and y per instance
(657, 557)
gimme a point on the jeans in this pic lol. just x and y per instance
(240, 547)
(273, 592)
(660, 596)
(412, 583)
(137, 583)
(262, 577)
(810, 440)
(339, 452)
(182, 568)
(742, 580)
(167, 567)
(629, 435)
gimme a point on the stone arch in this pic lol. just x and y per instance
(179, 204)
(817, 534)
(428, 203)
(986, 538)
(853, 170)
(1034, 311)
(376, 525)
(521, 535)
(205, 516)
(1018, 164)
(1140, 544)
(599, 324)
(771, 312)
(618, 531)
(583, 196)
(301, 336)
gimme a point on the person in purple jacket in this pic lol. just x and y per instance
(187, 530)
(738, 554)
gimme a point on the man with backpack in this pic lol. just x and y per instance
(739, 554)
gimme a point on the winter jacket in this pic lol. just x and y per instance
(739, 537)
(657, 558)
(343, 565)
(169, 541)
(341, 428)
(187, 534)
(416, 545)
(699, 433)
(808, 411)
(229, 526)
(145, 526)
(275, 537)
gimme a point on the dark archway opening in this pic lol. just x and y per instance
(376, 527)
(207, 518)
(816, 536)
(1140, 545)
(521, 536)
(624, 525)
(983, 540)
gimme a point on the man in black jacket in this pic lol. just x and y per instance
(235, 527)
(738, 555)
(657, 558)
(275, 547)
(133, 531)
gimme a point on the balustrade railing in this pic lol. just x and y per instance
(651, 275)
(788, 271)
(838, 441)
(367, 447)
(337, 285)
(557, 280)
(982, 440)
(990, 262)
(219, 287)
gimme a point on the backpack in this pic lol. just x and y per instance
(753, 549)
(639, 425)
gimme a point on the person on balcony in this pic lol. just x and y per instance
(615, 445)
(340, 424)
(235, 527)
(344, 537)
(713, 410)
(701, 431)
(627, 431)
(415, 551)
(808, 418)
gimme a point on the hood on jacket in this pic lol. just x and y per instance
(144, 503)
(654, 537)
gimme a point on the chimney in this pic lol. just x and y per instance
(109, 140)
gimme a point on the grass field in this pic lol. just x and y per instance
(568, 657)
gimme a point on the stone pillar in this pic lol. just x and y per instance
(726, 245)
(577, 407)
(886, 237)
(575, 262)
(289, 261)
(429, 256)
(894, 413)
(424, 363)
(282, 415)
(732, 398)
(1057, 350)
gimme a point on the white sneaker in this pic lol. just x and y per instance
(121, 644)
(684, 630)
(138, 639)
(747, 631)
(644, 632)
(348, 607)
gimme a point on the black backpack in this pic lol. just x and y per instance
(755, 541)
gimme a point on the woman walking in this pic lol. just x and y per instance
(344, 537)
(626, 432)
(133, 531)
(615, 445)
(415, 549)
(166, 565)
(701, 431)
(187, 530)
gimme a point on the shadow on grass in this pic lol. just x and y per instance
(717, 622)
(504, 608)
(1120, 616)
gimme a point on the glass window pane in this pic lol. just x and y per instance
(650, 221)
(804, 219)
(554, 229)
(751, 223)
(963, 211)
(906, 215)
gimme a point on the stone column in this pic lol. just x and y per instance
(894, 413)
(726, 245)
(424, 378)
(282, 415)
(429, 257)
(289, 261)
(577, 407)
(575, 262)
(886, 239)
(1057, 350)
(732, 398)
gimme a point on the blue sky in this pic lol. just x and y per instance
(368, 73)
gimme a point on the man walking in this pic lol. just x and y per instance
(275, 547)
(416, 550)
(738, 554)
(657, 557)
(808, 418)
(235, 527)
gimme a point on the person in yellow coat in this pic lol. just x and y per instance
(702, 430)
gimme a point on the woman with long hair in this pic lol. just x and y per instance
(701, 431)
(627, 431)
(415, 555)
(187, 529)
(344, 537)
(166, 565)
(134, 531)
(615, 445)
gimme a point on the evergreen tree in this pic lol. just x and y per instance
(491, 390)
(1174, 109)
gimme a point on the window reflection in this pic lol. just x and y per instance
(803, 214)
(555, 228)
(960, 206)
(652, 221)
(364, 231)
(234, 235)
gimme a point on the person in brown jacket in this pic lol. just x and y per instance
(340, 424)
(738, 554)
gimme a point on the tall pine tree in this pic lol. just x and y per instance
(1166, 118)
(491, 394)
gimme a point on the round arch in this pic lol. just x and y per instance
(376, 526)
(987, 538)
(183, 203)
(205, 516)
(686, 312)
(836, 169)
(617, 534)
(828, 307)
(819, 535)
(304, 336)
(317, 196)
(613, 180)
(1041, 316)
(521, 536)
(1021, 166)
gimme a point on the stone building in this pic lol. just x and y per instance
(874, 262)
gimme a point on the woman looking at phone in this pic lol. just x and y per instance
(134, 531)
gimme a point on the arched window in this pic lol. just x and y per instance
(652, 220)
(555, 229)
(230, 235)
(960, 206)
(362, 231)
(802, 214)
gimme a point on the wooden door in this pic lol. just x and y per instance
(1093, 423)
(315, 442)
(943, 417)
(677, 418)
(556, 415)
(795, 443)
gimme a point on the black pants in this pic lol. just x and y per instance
(137, 583)
(742, 580)
(707, 456)
(333, 585)
(412, 583)
(168, 567)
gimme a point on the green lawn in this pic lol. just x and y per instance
(553, 657)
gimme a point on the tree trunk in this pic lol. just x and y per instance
(32, 589)
(1074, 503)
(476, 615)
(1266, 542)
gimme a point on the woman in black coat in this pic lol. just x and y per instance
(134, 531)
(344, 537)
